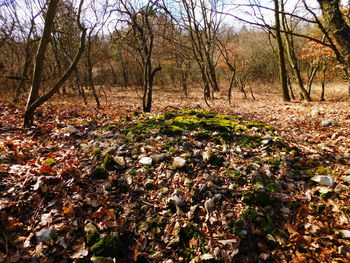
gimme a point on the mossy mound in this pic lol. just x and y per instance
(257, 198)
(109, 163)
(204, 126)
(109, 246)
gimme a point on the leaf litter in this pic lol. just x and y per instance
(181, 186)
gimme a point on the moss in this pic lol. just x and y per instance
(97, 153)
(257, 198)
(50, 162)
(109, 246)
(236, 177)
(109, 163)
(92, 237)
(323, 170)
(99, 173)
(110, 127)
(171, 130)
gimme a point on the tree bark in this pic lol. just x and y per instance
(39, 60)
(281, 58)
(336, 24)
(34, 100)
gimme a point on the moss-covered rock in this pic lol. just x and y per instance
(50, 162)
(109, 246)
(91, 233)
(96, 153)
(109, 163)
(99, 173)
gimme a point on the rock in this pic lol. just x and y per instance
(146, 161)
(345, 233)
(109, 246)
(101, 259)
(178, 202)
(323, 180)
(341, 188)
(99, 173)
(179, 162)
(206, 156)
(71, 129)
(228, 242)
(44, 235)
(158, 157)
(119, 160)
(91, 233)
(314, 113)
(324, 189)
(109, 151)
(347, 172)
(346, 179)
(327, 123)
(209, 204)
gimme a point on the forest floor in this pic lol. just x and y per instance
(177, 185)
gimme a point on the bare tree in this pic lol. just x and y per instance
(34, 98)
(141, 25)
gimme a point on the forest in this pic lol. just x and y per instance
(174, 131)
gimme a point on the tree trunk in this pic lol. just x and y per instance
(336, 24)
(39, 61)
(34, 101)
(281, 58)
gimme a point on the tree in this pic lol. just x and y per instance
(281, 58)
(142, 24)
(202, 20)
(337, 24)
(34, 100)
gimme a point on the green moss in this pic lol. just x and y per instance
(171, 130)
(110, 127)
(97, 153)
(236, 177)
(323, 170)
(109, 246)
(50, 162)
(257, 198)
(109, 163)
(269, 225)
(99, 173)
(92, 237)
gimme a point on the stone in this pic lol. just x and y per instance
(119, 160)
(71, 129)
(345, 233)
(323, 180)
(314, 113)
(327, 123)
(341, 188)
(44, 235)
(206, 156)
(346, 179)
(179, 162)
(209, 204)
(178, 202)
(91, 233)
(158, 157)
(101, 259)
(146, 161)
(347, 172)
